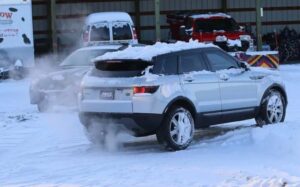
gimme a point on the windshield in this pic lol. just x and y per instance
(100, 32)
(121, 31)
(83, 57)
(211, 25)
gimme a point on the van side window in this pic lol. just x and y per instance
(100, 32)
(121, 31)
(192, 62)
(220, 61)
(166, 65)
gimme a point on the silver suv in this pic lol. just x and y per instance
(172, 93)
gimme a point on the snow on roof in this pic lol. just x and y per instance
(207, 16)
(100, 47)
(147, 53)
(12, 2)
(108, 17)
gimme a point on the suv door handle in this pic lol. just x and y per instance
(224, 77)
(189, 80)
(257, 77)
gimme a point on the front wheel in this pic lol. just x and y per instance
(273, 109)
(177, 130)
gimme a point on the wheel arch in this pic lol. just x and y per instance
(277, 87)
(184, 102)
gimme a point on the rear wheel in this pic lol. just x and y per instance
(43, 105)
(101, 133)
(177, 130)
(273, 109)
(95, 133)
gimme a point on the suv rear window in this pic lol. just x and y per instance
(121, 31)
(120, 68)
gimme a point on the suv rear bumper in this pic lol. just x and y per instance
(140, 123)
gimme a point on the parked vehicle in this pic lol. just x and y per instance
(172, 89)
(62, 86)
(109, 27)
(16, 38)
(218, 28)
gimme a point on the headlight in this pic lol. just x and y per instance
(245, 37)
(221, 39)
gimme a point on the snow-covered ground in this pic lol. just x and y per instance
(51, 150)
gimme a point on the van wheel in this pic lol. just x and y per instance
(177, 130)
(272, 109)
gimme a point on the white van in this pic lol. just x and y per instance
(16, 35)
(109, 27)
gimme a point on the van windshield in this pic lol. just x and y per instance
(211, 25)
(100, 32)
(121, 31)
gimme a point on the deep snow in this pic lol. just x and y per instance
(51, 150)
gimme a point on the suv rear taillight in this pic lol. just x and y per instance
(86, 36)
(134, 33)
(145, 89)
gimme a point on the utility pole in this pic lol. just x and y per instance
(259, 15)
(157, 20)
(137, 18)
(224, 6)
(53, 26)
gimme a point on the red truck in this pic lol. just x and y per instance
(218, 28)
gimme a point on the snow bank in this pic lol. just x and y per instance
(146, 53)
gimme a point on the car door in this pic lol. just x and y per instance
(238, 89)
(200, 85)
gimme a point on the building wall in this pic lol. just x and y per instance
(71, 13)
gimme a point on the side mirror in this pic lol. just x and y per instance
(245, 66)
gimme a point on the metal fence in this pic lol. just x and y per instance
(71, 13)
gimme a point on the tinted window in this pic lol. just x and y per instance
(120, 68)
(166, 65)
(100, 32)
(210, 25)
(220, 61)
(190, 63)
(121, 31)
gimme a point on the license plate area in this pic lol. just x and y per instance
(107, 94)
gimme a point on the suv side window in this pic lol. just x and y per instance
(192, 62)
(166, 65)
(220, 61)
